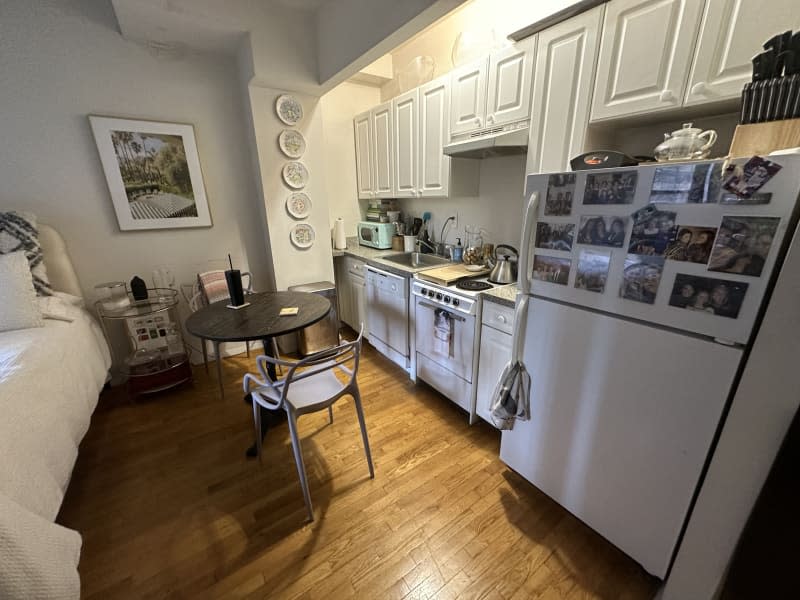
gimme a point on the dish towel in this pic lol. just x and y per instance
(511, 398)
(443, 333)
(214, 286)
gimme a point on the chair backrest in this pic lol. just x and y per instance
(331, 358)
(209, 287)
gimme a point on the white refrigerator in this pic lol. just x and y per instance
(644, 286)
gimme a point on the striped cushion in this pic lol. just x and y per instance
(18, 231)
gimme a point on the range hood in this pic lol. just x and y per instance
(498, 141)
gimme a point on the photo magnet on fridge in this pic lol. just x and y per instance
(652, 231)
(745, 180)
(691, 244)
(592, 270)
(640, 278)
(551, 269)
(610, 188)
(719, 297)
(598, 230)
(686, 184)
(742, 245)
(555, 236)
(560, 193)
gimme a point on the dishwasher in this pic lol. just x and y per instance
(387, 315)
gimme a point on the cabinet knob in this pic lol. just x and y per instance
(701, 88)
(478, 121)
(667, 96)
(501, 318)
(490, 119)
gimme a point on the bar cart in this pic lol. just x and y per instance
(156, 357)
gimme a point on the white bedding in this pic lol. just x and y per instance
(50, 379)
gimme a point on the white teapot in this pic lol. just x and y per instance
(687, 143)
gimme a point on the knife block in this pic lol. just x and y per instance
(762, 138)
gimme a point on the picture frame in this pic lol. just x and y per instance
(153, 173)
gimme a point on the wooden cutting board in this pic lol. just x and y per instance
(450, 273)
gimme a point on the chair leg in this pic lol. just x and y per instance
(276, 354)
(247, 347)
(330, 413)
(257, 423)
(205, 353)
(298, 459)
(360, 413)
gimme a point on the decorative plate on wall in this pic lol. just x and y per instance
(302, 235)
(289, 110)
(295, 175)
(292, 143)
(298, 205)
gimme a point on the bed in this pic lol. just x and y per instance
(50, 380)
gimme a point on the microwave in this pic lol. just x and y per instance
(376, 235)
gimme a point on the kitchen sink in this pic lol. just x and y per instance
(415, 260)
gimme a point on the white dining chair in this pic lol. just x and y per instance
(310, 385)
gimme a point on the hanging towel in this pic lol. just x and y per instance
(511, 397)
(443, 333)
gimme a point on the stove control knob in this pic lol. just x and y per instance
(438, 296)
(456, 302)
(427, 292)
(447, 299)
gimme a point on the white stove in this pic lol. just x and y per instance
(451, 366)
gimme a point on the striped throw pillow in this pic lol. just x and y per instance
(18, 232)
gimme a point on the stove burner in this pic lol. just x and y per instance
(473, 286)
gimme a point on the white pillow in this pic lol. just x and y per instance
(18, 306)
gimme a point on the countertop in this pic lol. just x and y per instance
(505, 295)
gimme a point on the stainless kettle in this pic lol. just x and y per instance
(504, 270)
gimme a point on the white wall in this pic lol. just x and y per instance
(339, 107)
(292, 265)
(498, 207)
(63, 60)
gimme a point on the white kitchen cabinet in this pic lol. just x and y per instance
(468, 97)
(358, 293)
(382, 132)
(731, 33)
(495, 353)
(645, 54)
(362, 126)
(406, 144)
(350, 290)
(566, 57)
(420, 119)
(434, 132)
(509, 86)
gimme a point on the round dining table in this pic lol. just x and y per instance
(259, 319)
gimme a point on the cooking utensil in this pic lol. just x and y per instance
(416, 226)
(504, 271)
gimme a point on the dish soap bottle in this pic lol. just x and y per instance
(458, 251)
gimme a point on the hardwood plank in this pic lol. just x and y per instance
(168, 505)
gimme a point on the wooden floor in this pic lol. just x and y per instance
(168, 506)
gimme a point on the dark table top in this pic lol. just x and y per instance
(259, 320)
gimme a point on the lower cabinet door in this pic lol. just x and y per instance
(494, 356)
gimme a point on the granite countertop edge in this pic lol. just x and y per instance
(504, 295)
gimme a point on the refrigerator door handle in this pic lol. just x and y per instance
(528, 224)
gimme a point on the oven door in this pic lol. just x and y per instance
(456, 356)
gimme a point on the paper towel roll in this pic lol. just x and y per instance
(339, 237)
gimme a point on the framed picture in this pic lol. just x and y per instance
(153, 173)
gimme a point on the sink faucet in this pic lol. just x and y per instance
(441, 247)
(431, 247)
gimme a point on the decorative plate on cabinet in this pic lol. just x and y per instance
(302, 235)
(295, 175)
(289, 110)
(298, 205)
(292, 143)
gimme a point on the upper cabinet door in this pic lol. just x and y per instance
(566, 57)
(468, 97)
(434, 166)
(382, 131)
(731, 33)
(509, 86)
(362, 126)
(645, 55)
(406, 144)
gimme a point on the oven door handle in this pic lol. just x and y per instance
(452, 316)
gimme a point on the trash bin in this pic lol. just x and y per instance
(325, 333)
